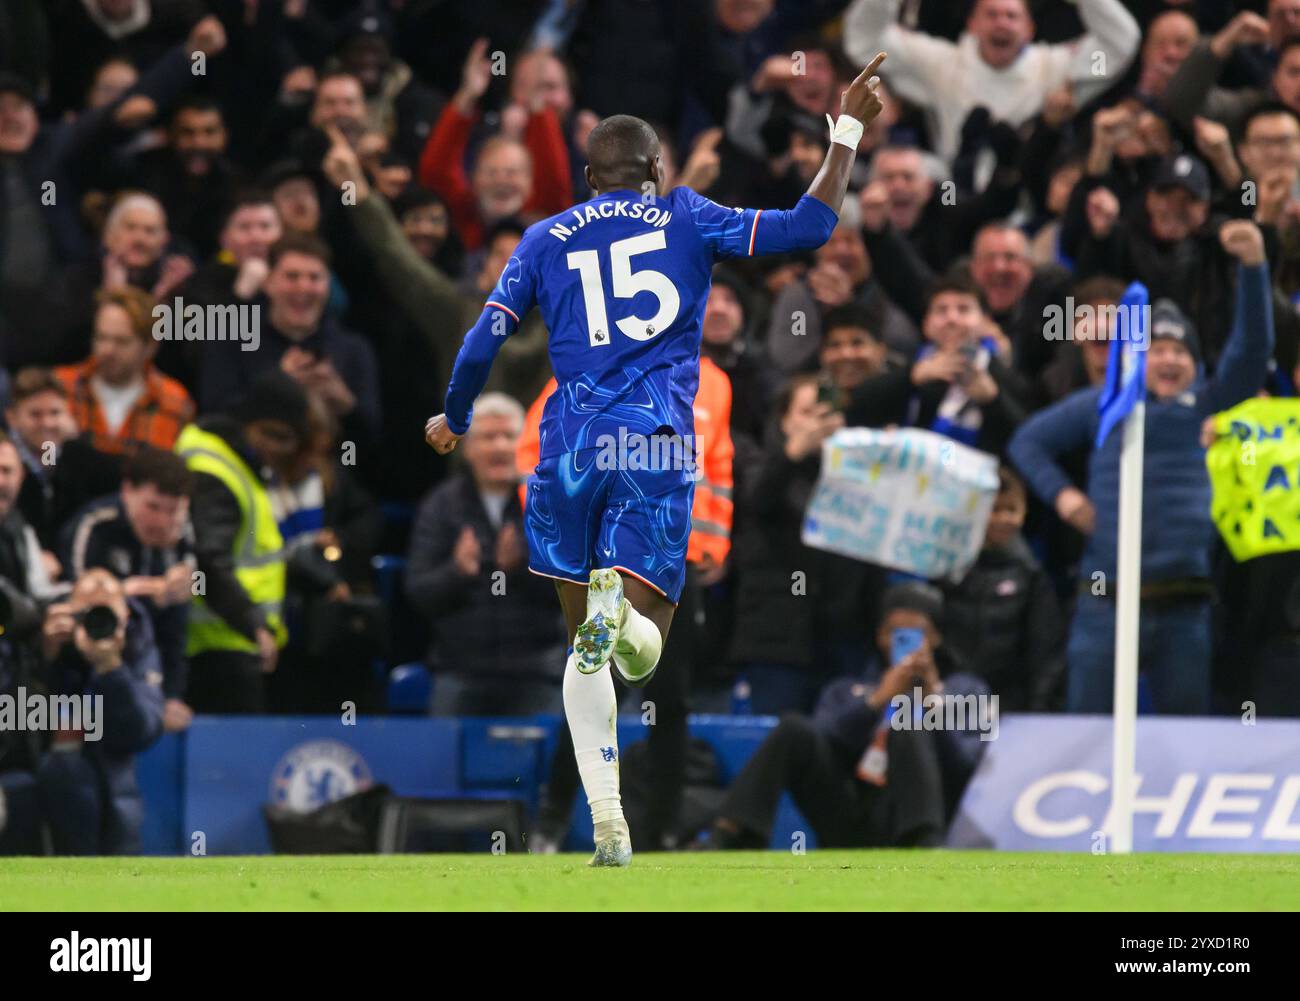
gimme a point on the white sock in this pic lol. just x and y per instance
(639, 644)
(591, 708)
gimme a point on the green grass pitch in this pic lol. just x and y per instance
(819, 880)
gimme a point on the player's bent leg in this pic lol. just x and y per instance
(646, 616)
(597, 635)
(591, 708)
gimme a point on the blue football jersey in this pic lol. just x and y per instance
(622, 281)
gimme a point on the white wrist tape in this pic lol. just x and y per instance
(846, 131)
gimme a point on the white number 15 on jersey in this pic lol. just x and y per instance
(626, 284)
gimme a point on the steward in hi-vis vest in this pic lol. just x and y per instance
(711, 450)
(235, 625)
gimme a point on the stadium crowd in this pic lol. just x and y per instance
(241, 240)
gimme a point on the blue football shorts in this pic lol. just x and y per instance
(582, 515)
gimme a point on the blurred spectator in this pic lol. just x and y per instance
(236, 625)
(658, 62)
(143, 536)
(540, 79)
(330, 527)
(23, 563)
(426, 329)
(850, 353)
(963, 383)
(233, 277)
(1172, 246)
(63, 471)
(1129, 142)
(842, 275)
(1177, 530)
(191, 175)
(1015, 293)
(1002, 618)
(902, 195)
(84, 33)
(1192, 90)
(136, 243)
(24, 582)
(498, 645)
(1081, 360)
(1045, 248)
(801, 613)
(818, 759)
(303, 340)
(725, 342)
(117, 397)
(293, 192)
(859, 375)
(1170, 39)
(398, 105)
(88, 790)
(46, 316)
(427, 226)
(786, 86)
(391, 175)
(995, 65)
(523, 170)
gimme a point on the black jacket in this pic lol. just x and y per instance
(216, 517)
(101, 536)
(486, 624)
(1004, 622)
(788, 595)
(227, 370)
(53, 493)
(132, 720)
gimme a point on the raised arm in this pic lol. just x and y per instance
(809, 224)
(919, 59)
(1103, 54)
(1244, 365)
(859, 106)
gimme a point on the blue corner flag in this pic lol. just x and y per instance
(1126, 372)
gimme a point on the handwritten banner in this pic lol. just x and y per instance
(911, 500)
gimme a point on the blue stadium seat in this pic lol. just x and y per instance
(408, 634)
(410, 687)
(388, 576)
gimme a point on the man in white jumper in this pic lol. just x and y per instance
(995, 63)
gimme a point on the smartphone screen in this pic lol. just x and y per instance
(828, 394)
(904, 642)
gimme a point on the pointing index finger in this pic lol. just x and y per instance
(871, 68)
(335, 136)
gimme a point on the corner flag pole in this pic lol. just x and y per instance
(1123, 780)
(1123, 399)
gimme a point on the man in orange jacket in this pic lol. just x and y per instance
(664, 702)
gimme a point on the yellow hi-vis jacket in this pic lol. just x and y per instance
(259, 547)
(712, 509)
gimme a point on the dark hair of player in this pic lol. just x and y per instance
(622, 152)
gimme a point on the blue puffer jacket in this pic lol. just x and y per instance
(1177, 531)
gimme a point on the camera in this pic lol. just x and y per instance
(99, 621)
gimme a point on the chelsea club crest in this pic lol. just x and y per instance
(318, 772)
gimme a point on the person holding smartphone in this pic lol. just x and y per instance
(901, 795)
